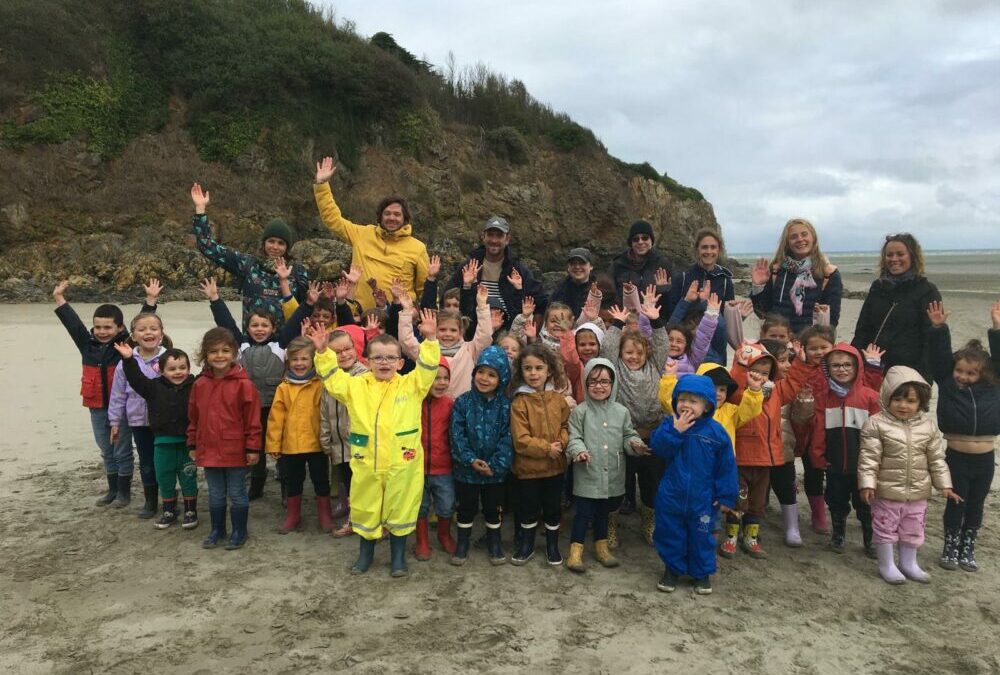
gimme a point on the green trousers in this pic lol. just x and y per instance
(173, 465)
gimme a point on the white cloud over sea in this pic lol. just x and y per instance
(866, 118)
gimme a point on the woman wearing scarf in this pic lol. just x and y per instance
(708, 250)
(798, 279)
(894, 316)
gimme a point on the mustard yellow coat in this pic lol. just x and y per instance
(293, 423)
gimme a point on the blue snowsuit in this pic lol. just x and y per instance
(700, 470)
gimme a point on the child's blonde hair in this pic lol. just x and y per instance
(557, 307)
(165, 340)
(453, 315)
(636, 337)
(301, 344)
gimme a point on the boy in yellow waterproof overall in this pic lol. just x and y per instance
(387, 459)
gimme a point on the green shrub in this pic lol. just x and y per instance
(507, 143)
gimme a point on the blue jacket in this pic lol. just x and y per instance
(700, 463)
(480, 426)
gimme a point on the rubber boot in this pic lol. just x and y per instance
(124, 496)
(818, 507)
(574, 563)
(909, 567)
(552, 554)
(397, 552)
(217, 514)
(967, 550)
(613, 530)
(423, 549)
(887, 566)
(190, 513)
(750, 543)
(526, 549)
(366, 554)
(169, 516)
(603, 553)
(461, 553)
(444, 535)
(324, 514)
(648, 523)
(790, 514)
(727, 549)
(340, 504)
(838, 540)
(152, 495)
(949, 556)
(238, 516)
(867, 535)
(495, 546)
(112, 492)
(293, 515)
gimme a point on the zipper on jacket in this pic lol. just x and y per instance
(843, 432)
(975, 413)
(909, 460)
(884, 319)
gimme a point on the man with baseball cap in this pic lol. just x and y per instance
(573, 290)
(494, 266)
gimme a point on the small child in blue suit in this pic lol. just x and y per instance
(700, 475)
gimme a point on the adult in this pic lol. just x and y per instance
(494, 265)
(798, 279)
(639, 264)
(708, 249)
(894, 315)
(574, 289)
(258, 283)
(383, 252)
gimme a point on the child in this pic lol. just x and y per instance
(511, 346)
(841, 410)
(902, 455)
(539, 419)
(689, 351)
(639, 364)
(293, 435)
(435, 419)
(577, 349)
(167, 394)
(347, 344)
(482, 452)
(127, 409)
(699, 476)
(262, 355)
(759, 445)
(600, 434)
(223, 434)
(968, 412)
(556, 321)
(100, 358)
(387, 458)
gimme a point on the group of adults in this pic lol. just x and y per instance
(797, 281)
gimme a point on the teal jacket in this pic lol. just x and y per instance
(480, 426)
(604, 430)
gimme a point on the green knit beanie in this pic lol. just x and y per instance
(278, 228)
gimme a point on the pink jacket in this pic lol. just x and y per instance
(464, 361)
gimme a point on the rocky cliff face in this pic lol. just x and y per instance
(107, 225)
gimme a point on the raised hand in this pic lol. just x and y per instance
(123, 349)
(482, 296)
(743, 305)
(755, 380)
(199, 199)
(684, 421)
(470, 273)
(328, 290)
(353, 276)
(692, 292)
(515, 279)
(713, 302)
(760, 273)
(628, 288)
(153, 289)
(528, 306)
(210, 289)
(428, 324)
(496, 318)
(58, 293)
(995, 315)
(433, 267)
(325, 168)
(661, 277)
(873, 353)
(401, 296)
(381, 300)
(591, 308)
(618, 314)
(320, 338)
(820, 308)
(530, 329)
(706, 290)
(282, 269)
(341, 290)
(649, 307)
(937, 314)
(312, 295)
(670, 368)
(372, 324)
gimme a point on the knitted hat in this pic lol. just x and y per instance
(720, 376)
(278, 228)
(641, 227)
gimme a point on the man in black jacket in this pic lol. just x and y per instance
(493, 264)
(574, 289)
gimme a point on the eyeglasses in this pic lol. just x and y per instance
(599, 383)
(384, 359)
(841, 366)
(641, 237)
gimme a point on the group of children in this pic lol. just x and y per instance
(405, 414)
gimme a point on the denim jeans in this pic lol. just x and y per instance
(229, 480)
(118, 457)
(440, 490)
(144, 440)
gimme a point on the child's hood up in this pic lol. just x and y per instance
(593, 363)
(896, 378)
(495, 358)
(699, 385)
(859, 363)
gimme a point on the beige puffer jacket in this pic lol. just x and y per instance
(901, 459)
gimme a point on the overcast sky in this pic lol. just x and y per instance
(865, 117)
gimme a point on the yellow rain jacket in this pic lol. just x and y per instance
(293, 423)
(729, 415)
(387, 458)
(381, 255)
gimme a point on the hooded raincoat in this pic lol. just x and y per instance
(480, 426)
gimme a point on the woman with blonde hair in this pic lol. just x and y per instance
(799, 280)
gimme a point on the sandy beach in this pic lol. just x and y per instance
(85, 589)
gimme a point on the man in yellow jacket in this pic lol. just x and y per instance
(387, 458)
(385, 251)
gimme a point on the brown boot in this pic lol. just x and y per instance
(574, 562)
(603, 553)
